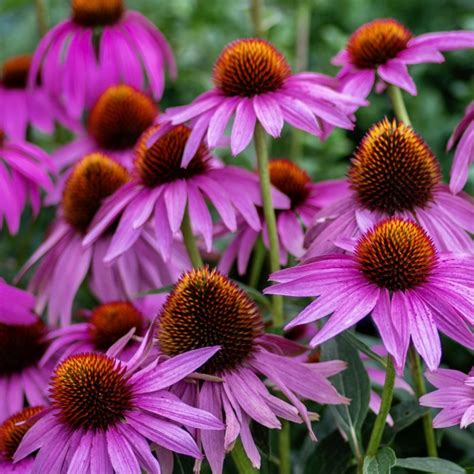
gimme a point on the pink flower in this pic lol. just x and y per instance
(397, 274)
(306, 198)
(455, 397)
(75, 69)
(65, 262)
(463, 136)
(393, 173)
(81, 432)
(21, 375)
(204, 308)
(24, 171)
(25, 107)
(385, 47)
(161, 191)
(16, 305)
(253, 81)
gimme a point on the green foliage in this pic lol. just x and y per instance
(382, 463)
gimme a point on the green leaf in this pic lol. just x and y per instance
(156, 291)
(353, 383)
(358, 345)
(406, 413)
(434, 465)
(255, 294)
(382, 463)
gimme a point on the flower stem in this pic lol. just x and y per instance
(256, 7)
(190, 241)
(380, 421)
(284, 448)
(241, 461)
(41, 17)
(259, 253)
(420, 389)
(398, 104)
(269, 214)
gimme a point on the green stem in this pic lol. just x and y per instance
(398, 104)
(190, 241)
(284, 448)
(256, 7)
(259, 253)
(420, 389)
(269, 214)
(380, 421)
(241, 461)
(41, 17)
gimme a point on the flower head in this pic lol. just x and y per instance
(162, 190)
(204, 308)
(454, 395)
(102, 416)
(386, 47)
(253, 81)
(393, 172)
(395, 272)
(24, 107)
(102, 44)
(66, 263)
(24, 169)
(463, 136)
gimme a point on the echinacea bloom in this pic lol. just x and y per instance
(21, 376)
(65, 263)
(102, 44)
(253, 81)
(16, 305)
(162, 190)
(396, 273)
(20, 106)
(12, 431)
(463, 136)
(384, 48)
(104, 326)
(206, 308)
(24, 171)
(454, 395)
(305, 198)
(110, 433)
(393, 173)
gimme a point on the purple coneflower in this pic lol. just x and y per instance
(305, 198)
(104, 326)
(253, 80)
(16, 305)
(162, 190)
(66, 263)
(12, 431)
(24, 171)
(84, 432)
(385, 47)
(25, 107)
(206, 308)
(463, 135)
(100, 45)
(393, 172)
(455, 397)
(21, 375)
(396, 273)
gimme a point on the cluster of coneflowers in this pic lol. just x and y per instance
(141, 199)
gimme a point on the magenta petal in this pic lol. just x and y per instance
(445, 40)
(196, 137)
(219, 121)
(175, 196)
(121, 454)
(244, 124)
(396, 73)
(268, 114)
(420, 54)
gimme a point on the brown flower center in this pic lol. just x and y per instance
(15, 72)
(92, 13)
(90, 391)
(205, 309)
(13, 429)
(2, 138)
(290, 179)
(21, 346)
(396, 254)
(93, 179)
(120, 116)
(111, 321)
(249, 67)
(376, 42)
(161, 162)
(393, 169)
